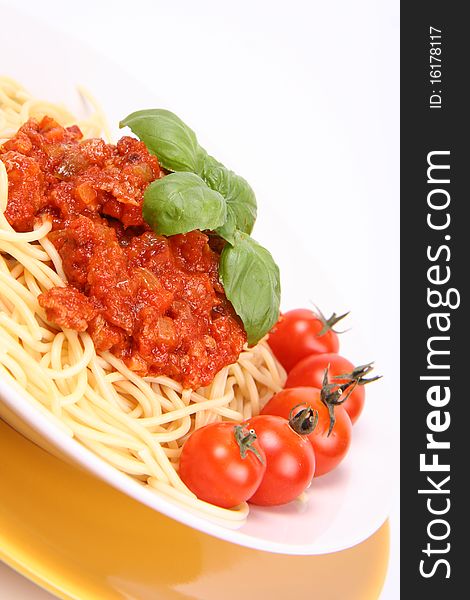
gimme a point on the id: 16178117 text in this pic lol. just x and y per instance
(435, 67)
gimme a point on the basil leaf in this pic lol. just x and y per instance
(182, 202)
(241, 201)
(228, 230)
(166, 136)
(251, 282)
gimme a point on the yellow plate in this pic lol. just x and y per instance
(81, 539)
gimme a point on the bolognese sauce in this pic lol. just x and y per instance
(154, 301)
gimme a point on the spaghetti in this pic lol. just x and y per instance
(137, 424)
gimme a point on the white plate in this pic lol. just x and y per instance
(344, 507)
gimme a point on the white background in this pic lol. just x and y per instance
(309, 93)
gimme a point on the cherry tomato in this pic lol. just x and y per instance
(290, 461)
(310, 371)
(300, 333)
(329, 449)
(223, 464)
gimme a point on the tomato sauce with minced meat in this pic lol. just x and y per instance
(154, 301)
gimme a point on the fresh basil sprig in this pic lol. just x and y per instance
(176, 146)
(201, 193)
(182, 202)
(251, 282)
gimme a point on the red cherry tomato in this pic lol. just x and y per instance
(310, 371)
(223, 464)
(290, 461)
(329, 449)
(297, 335)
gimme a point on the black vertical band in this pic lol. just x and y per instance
(435, 267)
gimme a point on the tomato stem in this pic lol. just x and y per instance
(304, 421)
(331, 396)
(245, 440)
(328, 324)
(358, 374)
(332, 393)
